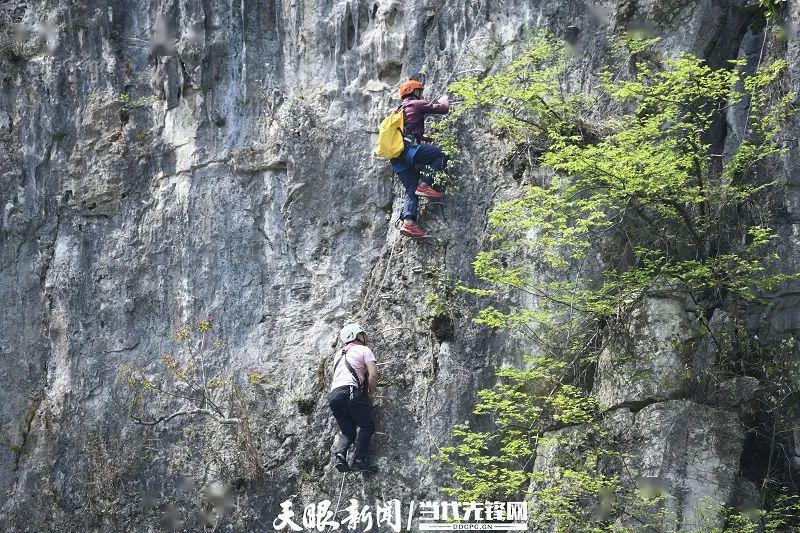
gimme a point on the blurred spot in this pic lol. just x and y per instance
(46, 37)
(652, 487)
(786, 31)
(598, 14)
(195, 35)
(172, 517)
(607, 499)
(149, 500)
(22, 32)
(218, 495)
(184, 484)
(207, 517)
(640, 30)
(163, 40)
(751, 513)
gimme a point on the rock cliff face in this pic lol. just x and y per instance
(165, 161)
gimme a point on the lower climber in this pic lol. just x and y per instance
(355, 376)
(419, 152)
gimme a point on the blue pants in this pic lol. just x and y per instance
(407, 168)
(352, 414)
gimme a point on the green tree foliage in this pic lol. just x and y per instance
(525, 402)
(771, 8)
(681, 216)
(528, 99)
(652, 179)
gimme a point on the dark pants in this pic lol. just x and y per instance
(409, 174)
(350, 414)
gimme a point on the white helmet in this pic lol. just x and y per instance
(350, 332)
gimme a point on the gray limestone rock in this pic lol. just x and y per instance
(688, 452)
(162, 162)
(650, 361)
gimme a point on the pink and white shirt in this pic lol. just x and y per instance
(358, 356)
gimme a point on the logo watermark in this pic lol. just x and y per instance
(394, 515)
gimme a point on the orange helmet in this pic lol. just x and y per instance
(409, 87)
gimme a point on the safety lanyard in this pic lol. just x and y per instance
(348, 365)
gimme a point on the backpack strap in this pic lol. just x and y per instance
(349, 367)
(402, 107)
(409, 138)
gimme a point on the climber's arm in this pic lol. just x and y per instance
(372, 379)
(442, 107)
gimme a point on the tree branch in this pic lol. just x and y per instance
(185, 412)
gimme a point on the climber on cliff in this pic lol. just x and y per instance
(418, 153)
(355, 376)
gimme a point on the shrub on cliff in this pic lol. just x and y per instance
(685, 209)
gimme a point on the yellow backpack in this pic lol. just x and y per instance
(390, 136)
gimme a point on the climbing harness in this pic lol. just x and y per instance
(352, 370)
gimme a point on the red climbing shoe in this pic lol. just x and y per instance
(428, 192)
(409, 229)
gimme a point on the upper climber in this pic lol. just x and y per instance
(355, 377)
(418, 153)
